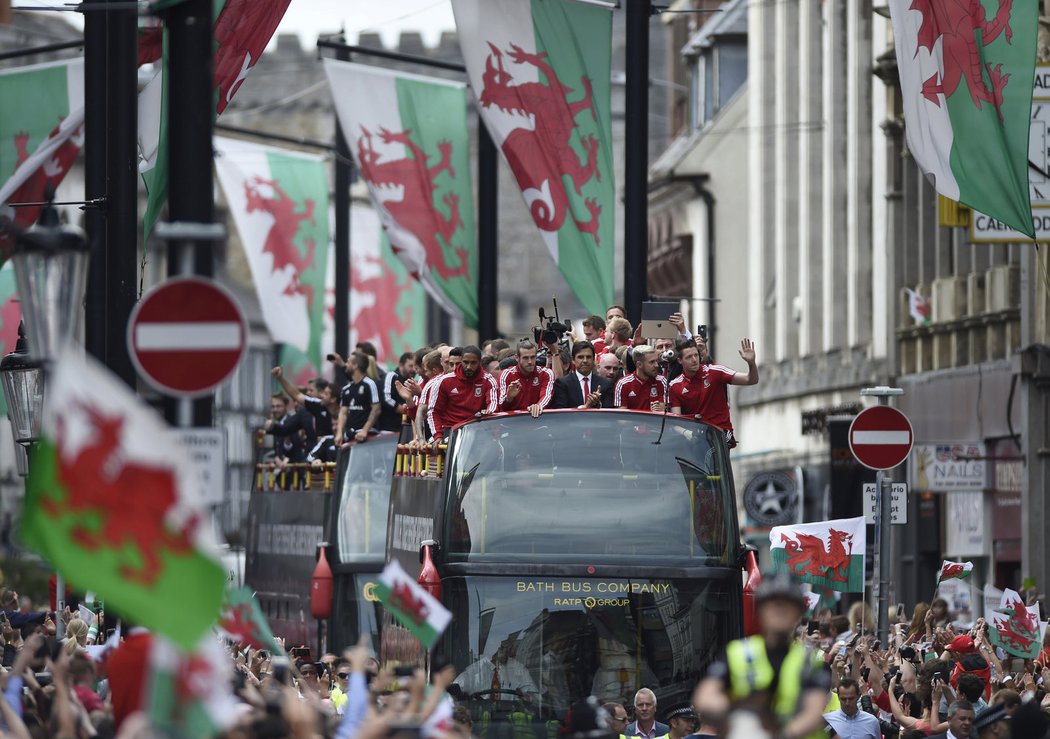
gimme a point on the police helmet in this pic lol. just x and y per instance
(780, 586)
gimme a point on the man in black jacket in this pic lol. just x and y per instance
(582, 388)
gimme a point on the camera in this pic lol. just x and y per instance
(668, 356)
(865, 703)
(551, 329)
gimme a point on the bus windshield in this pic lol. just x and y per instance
(577, 486)
(364, 497)
(526, 648)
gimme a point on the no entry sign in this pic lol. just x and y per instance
(880, 437)
(187, 336)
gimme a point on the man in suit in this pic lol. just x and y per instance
(646, 724)
(960, 720)
(582, 388)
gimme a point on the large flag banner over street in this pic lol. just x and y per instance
(279, 201)
(41, 132)
(387, 307)
(109, 502)
(828, 554)
(412, 147)
(966, 72)
(540, 71)
(243, 28)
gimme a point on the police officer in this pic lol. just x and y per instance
(770, 674)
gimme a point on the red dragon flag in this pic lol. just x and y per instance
(827, 554)
(279, 202)
(242, 620)
(411, 145)
(41, 132)
(110, 503)
(966, 72)
(1013, 626)
(243, 28)
(541, 73)
(954, 570)
(414, 608)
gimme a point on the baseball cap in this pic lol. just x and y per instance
(961, 643)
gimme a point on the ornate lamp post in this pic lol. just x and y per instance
(50, 261)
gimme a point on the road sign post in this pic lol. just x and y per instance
(881, 438)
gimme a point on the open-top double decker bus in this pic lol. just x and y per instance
(581, 553)
(291, 512)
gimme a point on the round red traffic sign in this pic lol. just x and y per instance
(880, 437)
(187, 336)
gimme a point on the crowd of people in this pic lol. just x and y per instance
(611, 365)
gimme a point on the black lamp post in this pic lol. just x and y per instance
(51, 263)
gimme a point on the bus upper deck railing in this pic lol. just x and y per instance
(420, 461)
(270, 476)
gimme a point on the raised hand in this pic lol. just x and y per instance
(747, 351)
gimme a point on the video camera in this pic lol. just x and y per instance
(551, 330)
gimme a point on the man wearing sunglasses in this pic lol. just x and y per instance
(617, 717)
(338, 692)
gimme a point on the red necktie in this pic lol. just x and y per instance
(586, 388)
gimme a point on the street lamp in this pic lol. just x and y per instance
(51, 264)
(23, 382)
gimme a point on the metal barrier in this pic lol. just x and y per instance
(295, 476)
(419, 461)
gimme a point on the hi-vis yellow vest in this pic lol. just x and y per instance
(750, 671)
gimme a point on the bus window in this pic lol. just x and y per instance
(364, 498)
(575, 487)
(525, 649)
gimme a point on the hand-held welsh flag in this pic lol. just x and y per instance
(243, 621)
(540, 70)
(828, 554)
(243, 28)
(109, 502)
(415, 608)
(189, 694)
(966, 71)
(411, 145)
(1013, 626)
(954, 570)
(41, 132)
(279, 201)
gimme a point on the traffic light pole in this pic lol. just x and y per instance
(636, 159)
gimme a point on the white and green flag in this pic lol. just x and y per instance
(279, 202)
(414, 608)
(541, 73)
(41, 132)
(189, 692)
(411, 144)
(966, 72)
(954, 571)
(827, 554)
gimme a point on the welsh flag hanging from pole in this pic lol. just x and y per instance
(41, 132)
(540, 72)
(1013, 626)
(828, 554)
(279, 202)
(243, 28)
(110, 503)
(411, 145)
(387, 307)
(954, 570)
(966, 72)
